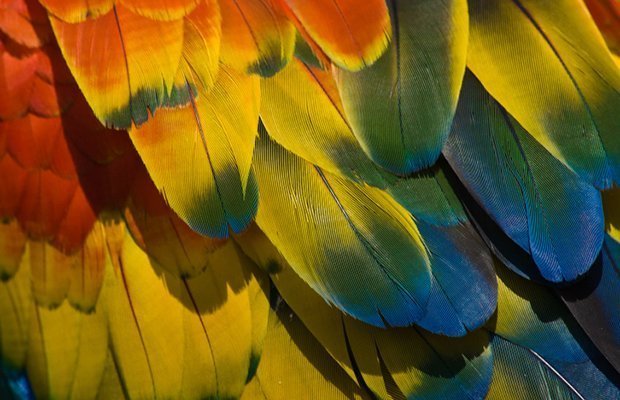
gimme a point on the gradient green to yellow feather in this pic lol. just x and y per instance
(383, 268)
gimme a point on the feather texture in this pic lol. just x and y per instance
(257, 36)
(550, 207)
(353, 35)
(397, 362)
(354, 245)
(294, 364)
(302, 112)
(595, 304)
(461, 265)
(401, 107)
(135, 78)
(534, 318)
(549, 67)
(204, 169)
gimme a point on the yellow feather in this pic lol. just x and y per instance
(66, 352)
(16, 304)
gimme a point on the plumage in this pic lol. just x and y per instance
(302, 112)
(257, 36)
(137, 79)
(352, 35)
(461, 265)
(379, 359)
(75, 11)
(294, 363)
(533, 318)
(595, 304)
(216, 189)
(276, 199)
(373, 232)
(400, 108)
(529, 62)
(500, 164)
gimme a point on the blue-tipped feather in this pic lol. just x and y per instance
(464, 289)
(537, 201)
(532, 317)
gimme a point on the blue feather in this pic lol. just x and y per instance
(464, 288)
(537, 201)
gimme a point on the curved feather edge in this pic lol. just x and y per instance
(399, 362)
(534, 318)
(595, 303)
(401, 107)
(355, 245)
(464, 288)
(548, 65)
(539, 203)
(294, 364)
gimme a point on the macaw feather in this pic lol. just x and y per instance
(257, 36)
(353, 244)
(401, 107)
(351, 34)
(529, 55)
(204, 169)
(550, 206)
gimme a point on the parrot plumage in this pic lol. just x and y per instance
(295, 199)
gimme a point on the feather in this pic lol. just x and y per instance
(14, 385)
(66, 352)
(534, 318)
(259, 290)
(301, 111)
(353, 244)
(295, 365)
(174, 337)
(595, 304)
(163, 235)
(74, 11)
(394, 362)
(12, 247)
(401, 107)
(50, 272)
(88, 271)
(606, 14)
(136, 76)
(111, 386)
(519, 374)
(550, 208)
(461, 264)
(13, 183)
(548, 66)
(163, 10)
(256, 36)
(17, 69)
(202, 36)
(203, 170)
(353, 35)
(25, 22)
(16, 305)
